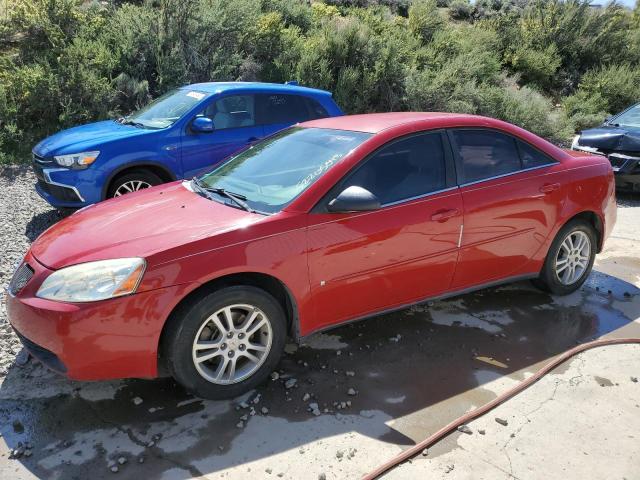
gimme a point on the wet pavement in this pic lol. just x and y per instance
(380, 385)
(412, 371)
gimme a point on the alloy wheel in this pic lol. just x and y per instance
(131, 186)
(232, 344)
(573, 257)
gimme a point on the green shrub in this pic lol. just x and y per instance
(365, 70)
(64, 62)
(603, 92)
(425, 19)
(617, 85)
(537, 66)
(461, 10)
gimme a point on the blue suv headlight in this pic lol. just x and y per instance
(77, 160)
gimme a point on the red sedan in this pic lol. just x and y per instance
(324, 223)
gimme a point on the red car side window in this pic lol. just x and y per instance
(404, 169)
(485, 154)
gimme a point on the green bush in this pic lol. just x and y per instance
(536, 66)
(461, 10)
(603, 92)
(65, 62)
(425, 19)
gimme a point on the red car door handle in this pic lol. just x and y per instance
(442, 215)
(549, 187)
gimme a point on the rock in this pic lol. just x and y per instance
(449, 468)
(350, 373)
(275, 376)
(290, 383)
(114, 469)
(239, 424)
(28, 453)
(306, 397)
(244, 418)
(16, 452)
(22, 358)
(256, 400)
(137, 400)
(150, 443)
(465, 429)
(243, 404)
(122, 460)
(268, 470)
(314, 408)
(141, 460)
(481, 431)
(425, 452)
(322, 476)
(339, 454)
(502, 421)
(352, 392)
(264, 410)
(634, 379)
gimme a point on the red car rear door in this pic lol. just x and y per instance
(512, 195)
(407, 250)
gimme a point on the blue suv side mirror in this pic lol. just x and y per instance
(202, 125)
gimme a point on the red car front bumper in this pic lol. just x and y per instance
(115, 338)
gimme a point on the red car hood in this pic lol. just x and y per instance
(137, 225)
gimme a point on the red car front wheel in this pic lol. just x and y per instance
(225, 343)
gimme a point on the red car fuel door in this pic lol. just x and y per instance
(512, 195)
(405, 251)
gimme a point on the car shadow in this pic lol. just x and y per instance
(394, 369)
(41, 221)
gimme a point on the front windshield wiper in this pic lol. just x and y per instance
(126, 121)
(235, 197)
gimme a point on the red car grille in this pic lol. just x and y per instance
(20, 278)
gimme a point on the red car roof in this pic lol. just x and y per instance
(376, 122)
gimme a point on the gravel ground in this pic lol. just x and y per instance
(23, 216)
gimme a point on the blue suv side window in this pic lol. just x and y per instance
(316, 110)
(276, 108)
(279, 108)
(232, 112)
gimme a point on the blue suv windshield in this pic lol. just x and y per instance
(165, 110)
(269, 175)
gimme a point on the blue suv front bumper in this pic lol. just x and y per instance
(63, 187)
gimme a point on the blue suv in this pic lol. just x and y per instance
(178, 135)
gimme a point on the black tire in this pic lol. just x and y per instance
(187, 322)
(549, 279)
(149, 179)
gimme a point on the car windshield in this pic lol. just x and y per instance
(630, 118)
(165, 110)
(270, 174)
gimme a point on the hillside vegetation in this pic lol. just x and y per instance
(549, 66)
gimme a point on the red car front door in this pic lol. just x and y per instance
(407, 250)
(512, 196)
